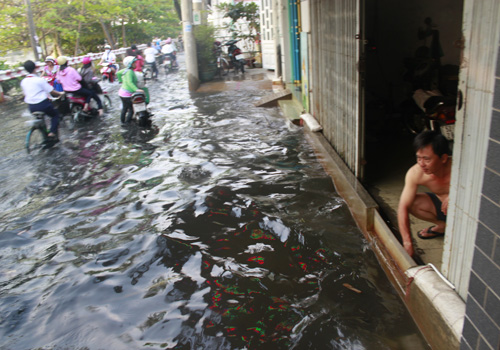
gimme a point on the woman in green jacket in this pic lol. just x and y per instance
(129, 85)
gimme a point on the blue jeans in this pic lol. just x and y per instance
(46, 107)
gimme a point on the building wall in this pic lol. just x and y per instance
(482, 321)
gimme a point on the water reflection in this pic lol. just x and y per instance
(216, 230)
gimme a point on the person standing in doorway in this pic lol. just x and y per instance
(432, 170)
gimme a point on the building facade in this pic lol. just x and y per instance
(345, 62)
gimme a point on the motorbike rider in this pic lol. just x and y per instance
(150, 57)
(35, 91)
(128, 79)
(50, 71)
(134, 51)
(70, 80)
(89, 81)
(171, 50)
(109, 58)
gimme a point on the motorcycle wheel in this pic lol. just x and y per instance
(414, 119)
(148, 74)
(76, 111)
(142, 119)
(36, 140)
(242, 67)
(106, 104)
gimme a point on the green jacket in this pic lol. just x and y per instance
(128, 79)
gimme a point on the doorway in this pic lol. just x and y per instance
(397, 35)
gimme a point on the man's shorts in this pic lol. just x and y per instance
(437, 203)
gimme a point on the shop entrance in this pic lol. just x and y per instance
(408, 45)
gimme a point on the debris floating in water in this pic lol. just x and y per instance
(348, 286)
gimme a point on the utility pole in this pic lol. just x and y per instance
(189, 45)
(31, 24)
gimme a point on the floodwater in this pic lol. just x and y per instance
(217, 229)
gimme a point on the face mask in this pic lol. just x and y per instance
(108, 50)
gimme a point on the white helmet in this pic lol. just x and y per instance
(127, 61)
(107, 47)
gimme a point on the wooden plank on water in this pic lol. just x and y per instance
(271, 100)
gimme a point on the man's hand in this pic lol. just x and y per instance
(408, 247)
(444, 206)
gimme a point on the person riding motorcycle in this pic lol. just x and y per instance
(109, 58)
(150, 57)
(70, 80)
(36, 91)
(88, 79)
(128, 79)
(171, 50)
(50, 71)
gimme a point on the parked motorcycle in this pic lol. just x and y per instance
(434, 88)
(431, 110)
(142, 114)
(235, 55)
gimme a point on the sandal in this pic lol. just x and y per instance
(429, 230)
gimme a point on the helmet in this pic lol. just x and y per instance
(107, 47)
(168, 41)
(86, 60)
(50, 59)
(127, 61)
(62, 60)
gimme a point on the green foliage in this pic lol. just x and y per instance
(204, 38)
(10, 84)
(62, 24)
(13, 25)
(245, 19)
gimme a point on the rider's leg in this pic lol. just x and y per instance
(46, 107)
(155, 70)
(90, 94)
(127, 109)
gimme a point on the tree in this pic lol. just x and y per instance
(73, 27)
(245, 21)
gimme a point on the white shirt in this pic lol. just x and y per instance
(168, 48)
(35, 89)
(150, 54)
(109, 57)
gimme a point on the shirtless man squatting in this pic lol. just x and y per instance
(432, 170)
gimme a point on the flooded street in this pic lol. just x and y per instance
(217, 229)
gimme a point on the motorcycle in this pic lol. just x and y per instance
(147, 70)
(107, 72)
(142, 114)
(236, 56)
(77, 103)
(434, 88)
(222, 64)
(53, 82)
(431, 110)
(169, 63)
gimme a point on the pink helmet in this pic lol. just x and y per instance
(168, 41)
(86, 60)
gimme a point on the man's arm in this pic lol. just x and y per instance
(405, 202)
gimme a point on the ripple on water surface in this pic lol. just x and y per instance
(216, 230)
